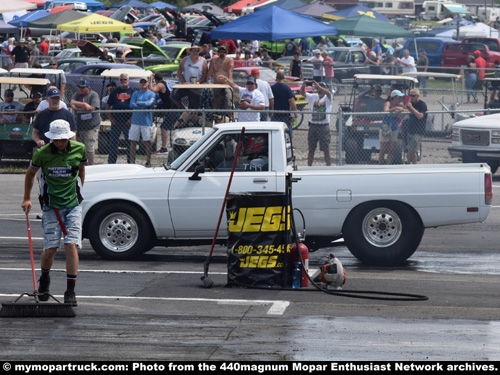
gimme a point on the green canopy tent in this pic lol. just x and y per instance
(368, 26)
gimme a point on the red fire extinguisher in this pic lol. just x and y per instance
(304, 253)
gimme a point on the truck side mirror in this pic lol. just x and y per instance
(199, 169)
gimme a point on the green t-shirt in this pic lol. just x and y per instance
(60, 182)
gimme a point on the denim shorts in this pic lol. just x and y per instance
(72, 219)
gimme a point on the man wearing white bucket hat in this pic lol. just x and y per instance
(62, 163)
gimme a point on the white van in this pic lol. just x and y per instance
(391, 8)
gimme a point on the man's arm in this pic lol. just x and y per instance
(180, 70)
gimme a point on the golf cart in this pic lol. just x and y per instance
(110, 75)
(182, 137)
(363, 116)
(16, 137)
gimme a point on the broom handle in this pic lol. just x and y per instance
(32, 257)
(235, 161)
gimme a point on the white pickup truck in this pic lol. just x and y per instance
(381, 212)
(477, 140)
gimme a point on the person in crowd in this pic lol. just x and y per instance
(319, 126)
(304, 46)
(30, 108)
(221, 67)
(373, 61)
(21, 55)
(257, 58)
(109, 88)
(470, 78)
(285, 108)
(252, 101)
(162, 89)
(414, 125)
(267, 60)
(58, 80)
(62, 163)
(328, 66)
(10, 105)
(389, 129)
(159, 40)
(193, 69)
(248, 59)
(377, 48)
(480, 65)
(206, 52)
(290, 47)
(407, 62)
(85, 102)
(43, 46)
(388, 63)
(106, 56)
(265, 88)
(318, 69)
(6, 52)
(34, 54)
(119, 102)
(296, 66)
(141, 125)
(119, 56)
(180, 29)
(422, 66)
(230, 46)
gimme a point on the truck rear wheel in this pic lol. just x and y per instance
(383, 233)
(120, 231)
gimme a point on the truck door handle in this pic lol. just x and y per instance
(260, 179)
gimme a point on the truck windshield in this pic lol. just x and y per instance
(185, 155)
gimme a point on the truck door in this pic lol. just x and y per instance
(198, 215)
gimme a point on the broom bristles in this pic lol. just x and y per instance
(24, 310)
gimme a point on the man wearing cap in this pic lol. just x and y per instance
(30, 108)
(141, 125)
(221, 67)
(62, 164)
(267, 60)
(53, 112)
(10, 105)
(58, 80)
(318, 69)
(251, 99)
(422, 65)
(193, 69)
(119, 102)
(85, 102)
(265, 89)
(389, 63)
(319, 126)
(21, 55)
(414, 125)
(480, 65)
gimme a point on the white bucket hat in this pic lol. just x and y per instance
(59, 129)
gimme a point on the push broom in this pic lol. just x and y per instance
(35, 308)
(207, 282)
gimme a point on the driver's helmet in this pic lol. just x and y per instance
(256, 145)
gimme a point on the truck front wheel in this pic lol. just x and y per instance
(120, 231)
(383, 233)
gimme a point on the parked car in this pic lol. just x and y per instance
(92, 73)
(433, 47)
(69, 65)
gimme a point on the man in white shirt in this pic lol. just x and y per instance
(407, 62)
(251, 99)
(265, 89)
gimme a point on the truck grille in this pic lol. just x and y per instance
(475, 137)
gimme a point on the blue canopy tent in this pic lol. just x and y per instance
(162, 5)
(283, 4)
(272, 24)
(358, 10)
(30, 16)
